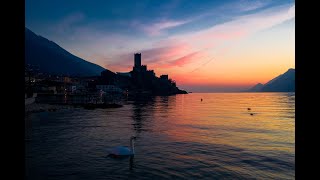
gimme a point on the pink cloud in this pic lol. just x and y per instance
(185, 59)
(116, 50)
(181, 61)
(238, 28)
(155, 57)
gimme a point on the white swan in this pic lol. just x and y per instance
(121, 151)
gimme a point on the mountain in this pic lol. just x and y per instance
(256, 88)
(282, 83)
(53, 59)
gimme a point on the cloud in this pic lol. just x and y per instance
(180, 50)
(114, 50)
(158, 56)
(217, 36)
(235, 29)
(245, 5)
(184, 60)
(158, 28)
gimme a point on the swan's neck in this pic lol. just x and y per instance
(132, 145)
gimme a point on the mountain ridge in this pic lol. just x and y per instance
(53, 59)
(283, 83)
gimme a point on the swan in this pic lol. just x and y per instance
(122, 151)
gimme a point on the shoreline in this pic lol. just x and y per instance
(43, 107)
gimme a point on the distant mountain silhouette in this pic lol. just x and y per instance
(256, 88)
(282, 83)
(52, 59)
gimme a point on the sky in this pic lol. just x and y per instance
(205, 46)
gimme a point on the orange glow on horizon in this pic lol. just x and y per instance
(242, 63)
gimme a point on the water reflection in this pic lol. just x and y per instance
(178, 137)
(124, 158)
(131, 162)
(142, 111)
(164, 106)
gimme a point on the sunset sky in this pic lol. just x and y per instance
(204, 45)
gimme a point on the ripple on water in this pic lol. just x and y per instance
(178, 137)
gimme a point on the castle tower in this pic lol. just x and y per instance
(137, 60)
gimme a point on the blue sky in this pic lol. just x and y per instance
(174, 36)
(127, 16)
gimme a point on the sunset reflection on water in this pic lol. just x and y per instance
(177, 137)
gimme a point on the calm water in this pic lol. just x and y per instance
(178, 137)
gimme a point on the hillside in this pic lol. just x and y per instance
(53, 59)
(282, 83)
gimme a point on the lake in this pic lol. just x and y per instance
(178, 137)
